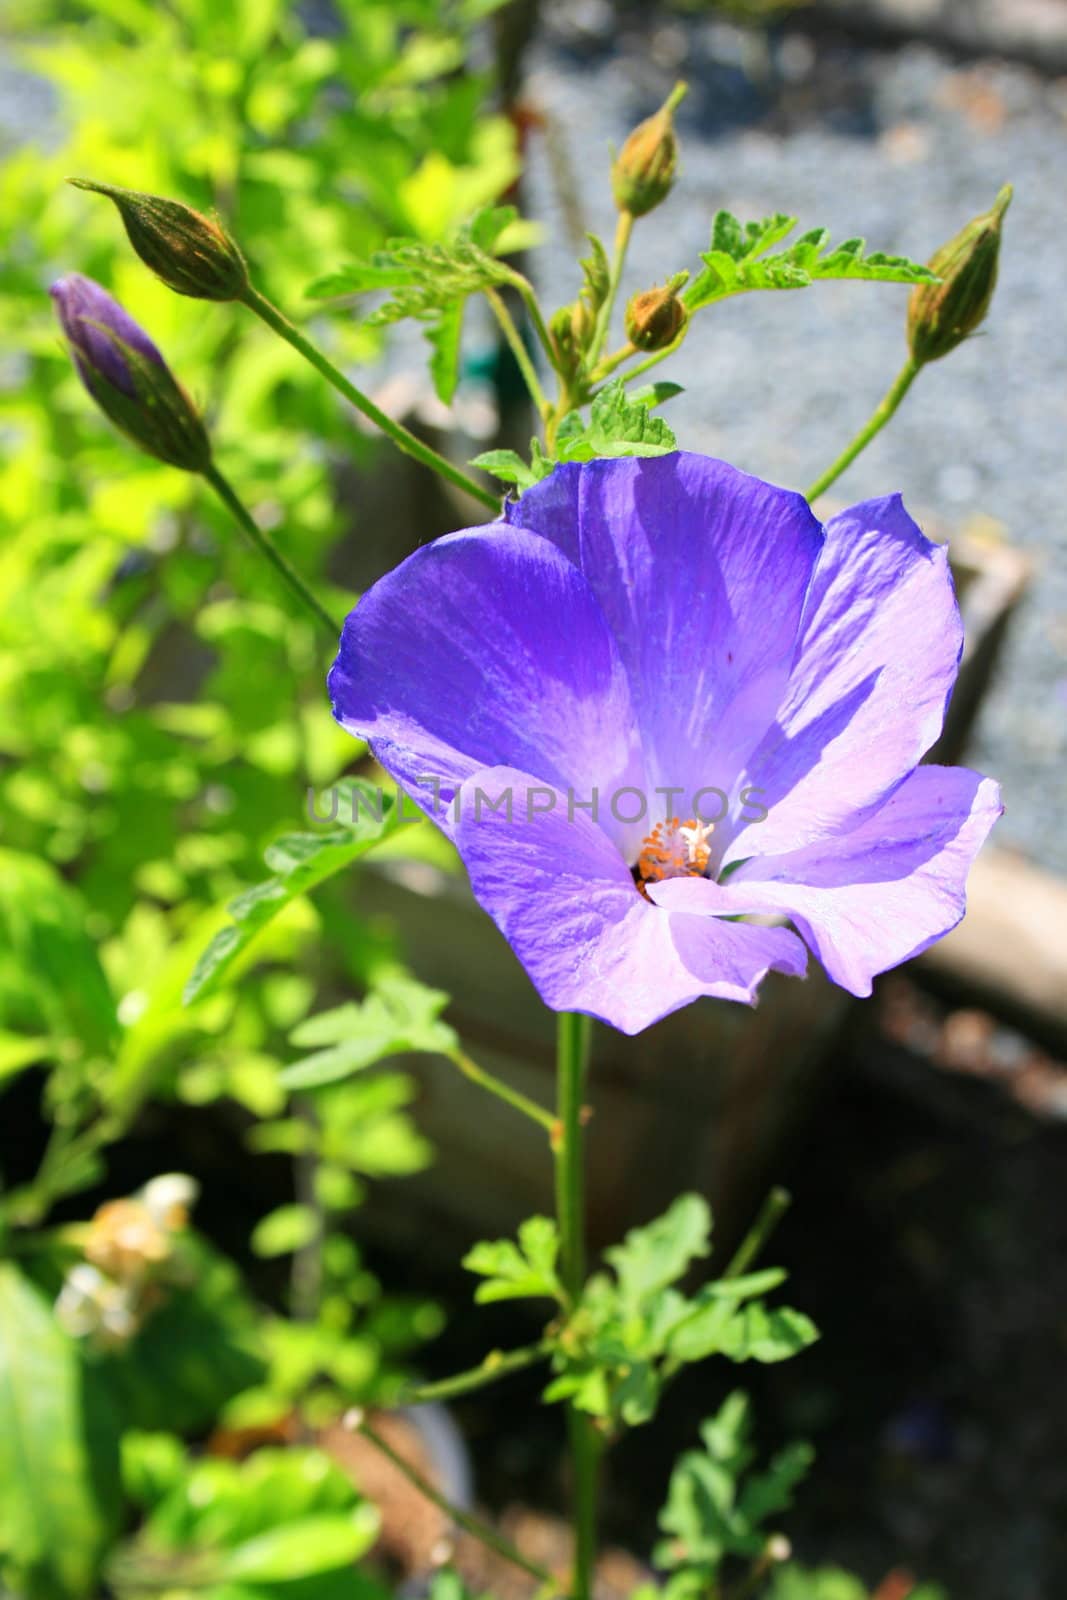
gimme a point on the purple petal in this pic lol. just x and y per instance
(488, 649)
(878, 654)
(701, 571)
(873, 897)
(85, 310)
(562, 895)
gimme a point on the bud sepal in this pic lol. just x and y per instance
(192, 254)
(942, 314)
(127, 376)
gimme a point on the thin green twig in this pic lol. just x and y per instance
(518, 350)
(356, 1422)
(402, 437)
(288, 574)
(497, 1364)
(875, 423)
(503, 1091)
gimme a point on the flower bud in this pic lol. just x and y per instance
(656, 317)
(190, 252)
(127, 376)
(941, 315)
(571, 328)
(643, 171)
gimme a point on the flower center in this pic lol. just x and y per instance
(674, 850)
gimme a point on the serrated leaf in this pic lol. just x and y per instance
(651, 1258)
(518, 1271)
(444, 337)
(508, 466)
(756, 1333)
(617, 426)
(424, 278)
(400, 1015)
(738, 261)
(300, 862)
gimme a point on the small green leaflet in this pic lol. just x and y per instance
(300, 861)
(717, 1505)
(619, 425)
(522, 1271)
(652, 1257)
(738, 260)
(399, 1016)
(431, 283)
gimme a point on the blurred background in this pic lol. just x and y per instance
(162, 716)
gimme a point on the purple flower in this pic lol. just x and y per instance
(127, 376)
(86, 313)
(673, 631)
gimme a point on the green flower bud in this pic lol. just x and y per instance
(655, 317)
(572, 327)
(643, 172)
(127, 377)
(190, 252)
(941, 315)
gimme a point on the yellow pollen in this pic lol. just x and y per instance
(674, 849)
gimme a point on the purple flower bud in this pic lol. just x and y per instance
(127, 377)
(85, 312)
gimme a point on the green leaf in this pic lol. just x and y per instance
(59, 1456)
(51, 979)
(300, 862)
(652, 1257)
(654, 394)
(738, 260)
(756, 1333)
(526, 1270)
(400, 1015)
(716, 1505)
(827, 1583)
(508, 466)
(285, 1230)
(617, 426)
(302, 1548)
(424, 278)
(444, 336)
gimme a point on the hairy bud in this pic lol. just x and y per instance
(190, 252)
(571, 328)
(655, 317)
(127, 376)
(941, 315)
(643, 172)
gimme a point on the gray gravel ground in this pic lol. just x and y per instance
(901, 147)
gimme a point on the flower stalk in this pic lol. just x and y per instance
(572, 1055)
(402, 437)
(258, 539)
(356, 1422)
(881, 414)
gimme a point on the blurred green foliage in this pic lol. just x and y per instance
(161, 715)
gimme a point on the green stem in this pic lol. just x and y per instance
(572, 1051)
(497, 1364)
(876, 422)
(518, 350)
(623, 230)
(289, 576)
(401, 436)
(503, 1091)
(768, 1217)
(609, 364)
(529, 300)
(357, 1422)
